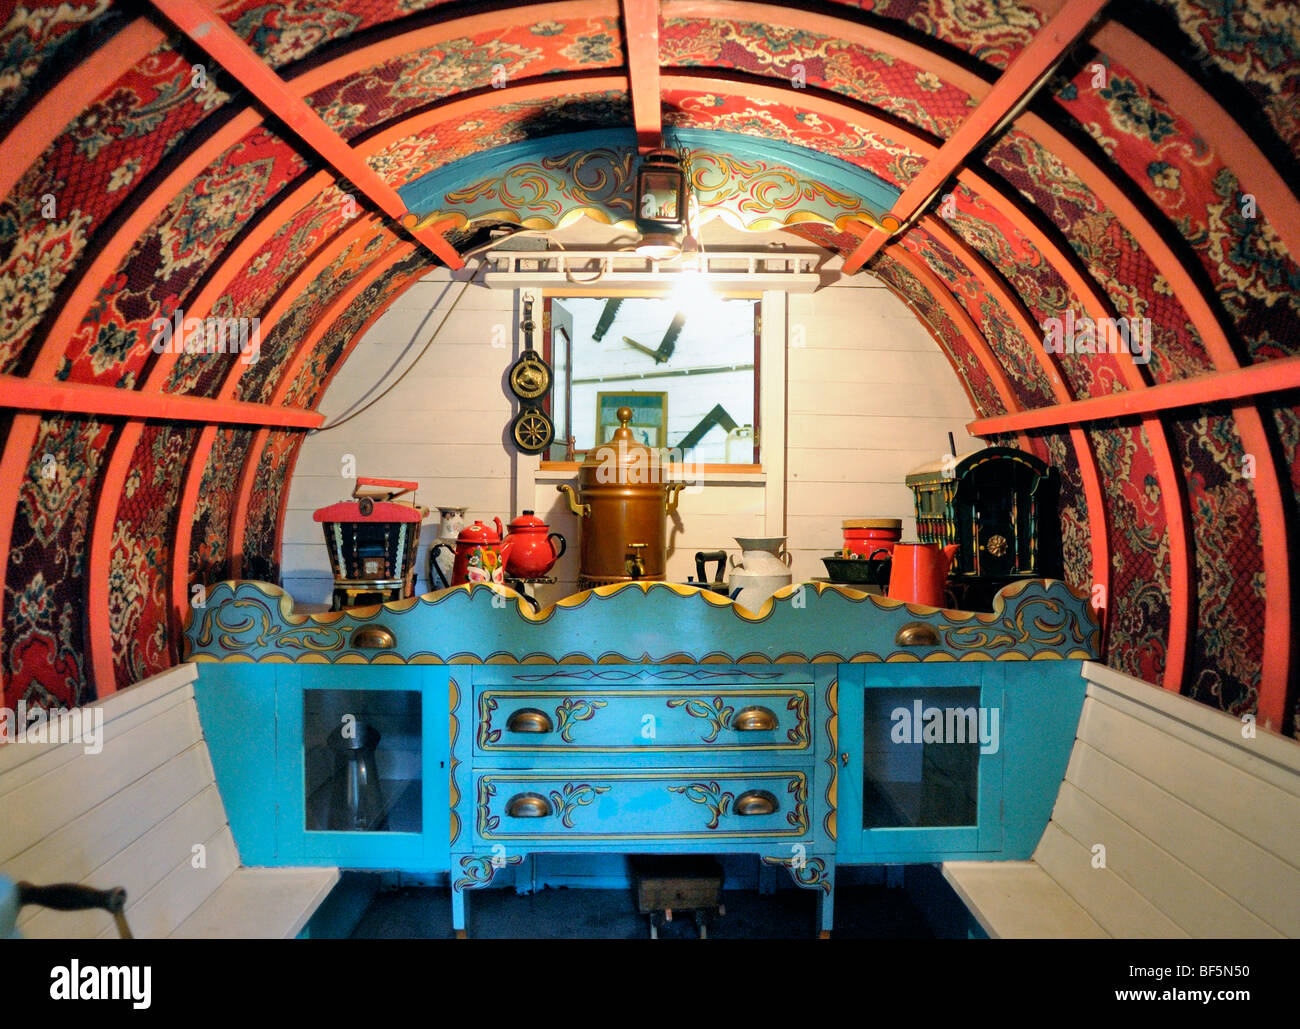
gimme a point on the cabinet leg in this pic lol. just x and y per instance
(812, 872)
(458, 912)
(477, 871)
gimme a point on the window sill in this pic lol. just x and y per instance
(708, 474)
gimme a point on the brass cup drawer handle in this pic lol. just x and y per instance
(528, 805)
(373, 637)
(917, 634)
(756, 802)
(529, 719)
(754, 719)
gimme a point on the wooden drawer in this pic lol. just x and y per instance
(658, 719)
(616, 806)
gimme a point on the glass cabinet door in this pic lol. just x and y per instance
(920, 761)
(362, 766)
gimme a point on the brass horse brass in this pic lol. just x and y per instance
(529, 719)
(528, 805)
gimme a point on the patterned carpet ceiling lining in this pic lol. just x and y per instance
(162, 196)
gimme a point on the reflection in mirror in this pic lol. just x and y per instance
(687, 365)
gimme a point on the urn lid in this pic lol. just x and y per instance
(622, 459)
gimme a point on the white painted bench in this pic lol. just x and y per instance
(1201, 829)
(131, 816)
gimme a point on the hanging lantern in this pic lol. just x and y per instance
(662, 200)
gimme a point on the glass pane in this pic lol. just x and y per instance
(361, 760)
(921, 750)
(687, 365)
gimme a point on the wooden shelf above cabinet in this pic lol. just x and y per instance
(673, 471)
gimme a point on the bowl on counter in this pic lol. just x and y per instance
(857, 571)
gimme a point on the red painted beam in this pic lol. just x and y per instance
(337, 308)
(966, 325)
(641, 33)
(1006, 298)
(1268, 480)
(206, 28)
(1197, 390)
(90, 76)
(1016, 84)
(108, 401)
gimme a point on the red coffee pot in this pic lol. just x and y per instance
(919, 572)
(533, 551)
(480, 554)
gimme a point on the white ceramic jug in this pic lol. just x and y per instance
(762, 569)
(762, 555)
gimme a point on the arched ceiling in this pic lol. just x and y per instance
(997, 164)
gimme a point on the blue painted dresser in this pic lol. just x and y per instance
(645, 718)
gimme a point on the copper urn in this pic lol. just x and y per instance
(623, 502)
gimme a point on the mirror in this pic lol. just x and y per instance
(687, 365)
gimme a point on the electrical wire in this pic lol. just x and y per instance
(473, 252)
(423, 350)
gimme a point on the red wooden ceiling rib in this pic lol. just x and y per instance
(205, 27)
(641, 33)
(1275, 547)
(1018, 81)
(1010, 302)
(253, 457)
(1234, 145)
(1194, 391)
(69, 98)
(965, 324)
(110, 402)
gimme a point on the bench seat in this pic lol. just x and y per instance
(260, 904)
(1017, 900)
(143, 813)
(1173, 820)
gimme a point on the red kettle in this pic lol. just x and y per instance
(920, 571)
(533, 549)
(480, 555)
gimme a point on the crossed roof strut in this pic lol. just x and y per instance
(207, 29)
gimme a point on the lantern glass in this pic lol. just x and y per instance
(661, 193)
(660, 199)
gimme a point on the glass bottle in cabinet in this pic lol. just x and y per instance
(362, 760)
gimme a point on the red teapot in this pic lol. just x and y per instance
(533, 550)
(480, 555)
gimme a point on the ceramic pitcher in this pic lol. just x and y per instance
(762, 555)
(762, 568)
